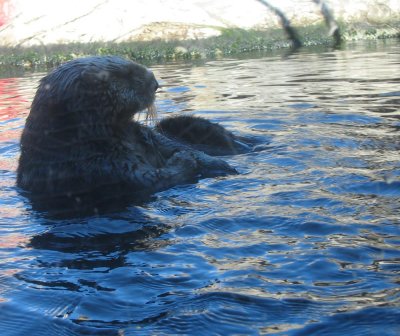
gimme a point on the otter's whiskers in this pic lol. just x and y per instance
(151, 113)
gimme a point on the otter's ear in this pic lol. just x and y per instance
(93, 75)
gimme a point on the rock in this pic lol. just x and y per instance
(43, 22)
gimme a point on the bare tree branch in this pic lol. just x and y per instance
(330, 22)
(290, 31)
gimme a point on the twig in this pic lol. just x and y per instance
(330, 22)
(290, 31)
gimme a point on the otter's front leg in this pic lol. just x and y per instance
(180, 168)
(208, 166)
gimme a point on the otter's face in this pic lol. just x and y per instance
(134, 87)
(109, 88)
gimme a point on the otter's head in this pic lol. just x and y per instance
(103, 89)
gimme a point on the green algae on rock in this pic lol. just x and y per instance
(231, 42)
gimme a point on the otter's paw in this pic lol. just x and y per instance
(211, 166)
(184, 160)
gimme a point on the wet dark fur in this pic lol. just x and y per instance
(202, 134)
(81, 147)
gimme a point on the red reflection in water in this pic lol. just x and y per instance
(14, 106)
(13, 240)
(13, 103)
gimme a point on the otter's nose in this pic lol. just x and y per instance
(153, 81)
(156, 85)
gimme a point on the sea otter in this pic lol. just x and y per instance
(81, 147)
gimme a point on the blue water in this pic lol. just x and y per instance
(304, 241)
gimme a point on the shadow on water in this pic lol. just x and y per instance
(105, 235)
(304, 241)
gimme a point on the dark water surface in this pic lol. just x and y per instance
(305, 241)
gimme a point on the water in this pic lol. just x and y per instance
(305, 241)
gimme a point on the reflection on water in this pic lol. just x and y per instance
(305, 241)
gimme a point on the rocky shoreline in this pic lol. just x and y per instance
(43, 34)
